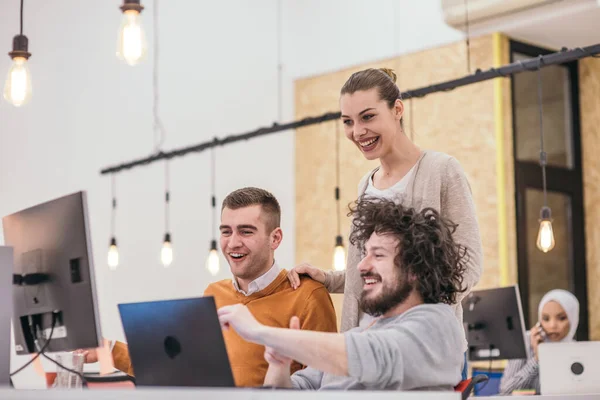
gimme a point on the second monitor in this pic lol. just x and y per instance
(494, 324)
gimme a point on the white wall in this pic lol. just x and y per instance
(218, 68)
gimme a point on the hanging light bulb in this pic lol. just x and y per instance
(113, 251)
(339, 254)
(166, 253)
(113, 254)
(17, 88)
(131, 45)
(545, 239)
(212, 262)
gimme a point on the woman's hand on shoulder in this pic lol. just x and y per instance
(315, 273)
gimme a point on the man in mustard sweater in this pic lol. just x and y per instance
(250, 234)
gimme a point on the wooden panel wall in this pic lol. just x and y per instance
(589, 86)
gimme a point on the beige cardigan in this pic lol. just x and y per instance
(438, 182)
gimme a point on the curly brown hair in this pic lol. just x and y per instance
(426, 248)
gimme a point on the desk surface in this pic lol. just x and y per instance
(547, 397)
(247, 394)
(218, 394)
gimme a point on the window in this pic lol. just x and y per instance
(563, 267)
(558, 131)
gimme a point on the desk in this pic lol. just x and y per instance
(249, 394)
(546, 397)
(219, 394)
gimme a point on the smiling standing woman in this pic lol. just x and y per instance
(372, 116)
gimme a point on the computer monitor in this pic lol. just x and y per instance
(494, 324)
(6, 268)
(53, 278)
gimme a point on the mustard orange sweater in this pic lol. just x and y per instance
(273, 306)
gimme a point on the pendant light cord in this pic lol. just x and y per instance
(114, 205)
(412, 125)
(468, 43)
(337, 175)
(167, 196)
(543, 157)
(396, 40)
(279, 64)
(212, 189)
(158, 127)
(22, 17)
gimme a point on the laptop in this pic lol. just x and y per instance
(6, 311)
(569, 368)
(176, 343)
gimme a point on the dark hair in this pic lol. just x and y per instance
(250, 196)
(384, 79)
(426, 248)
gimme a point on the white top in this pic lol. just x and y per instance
(393, 191)
(261, 282)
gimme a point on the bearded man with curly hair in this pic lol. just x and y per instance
(412, 271)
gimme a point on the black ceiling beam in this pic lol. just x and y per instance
(560, 57)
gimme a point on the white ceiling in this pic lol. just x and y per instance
(567, 23)
(577, 30)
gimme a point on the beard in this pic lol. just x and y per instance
(392, 294)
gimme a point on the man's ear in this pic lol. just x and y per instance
(276, 238)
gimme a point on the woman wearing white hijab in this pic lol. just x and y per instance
(558, 314)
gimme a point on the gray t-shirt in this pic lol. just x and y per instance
(420, 349)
